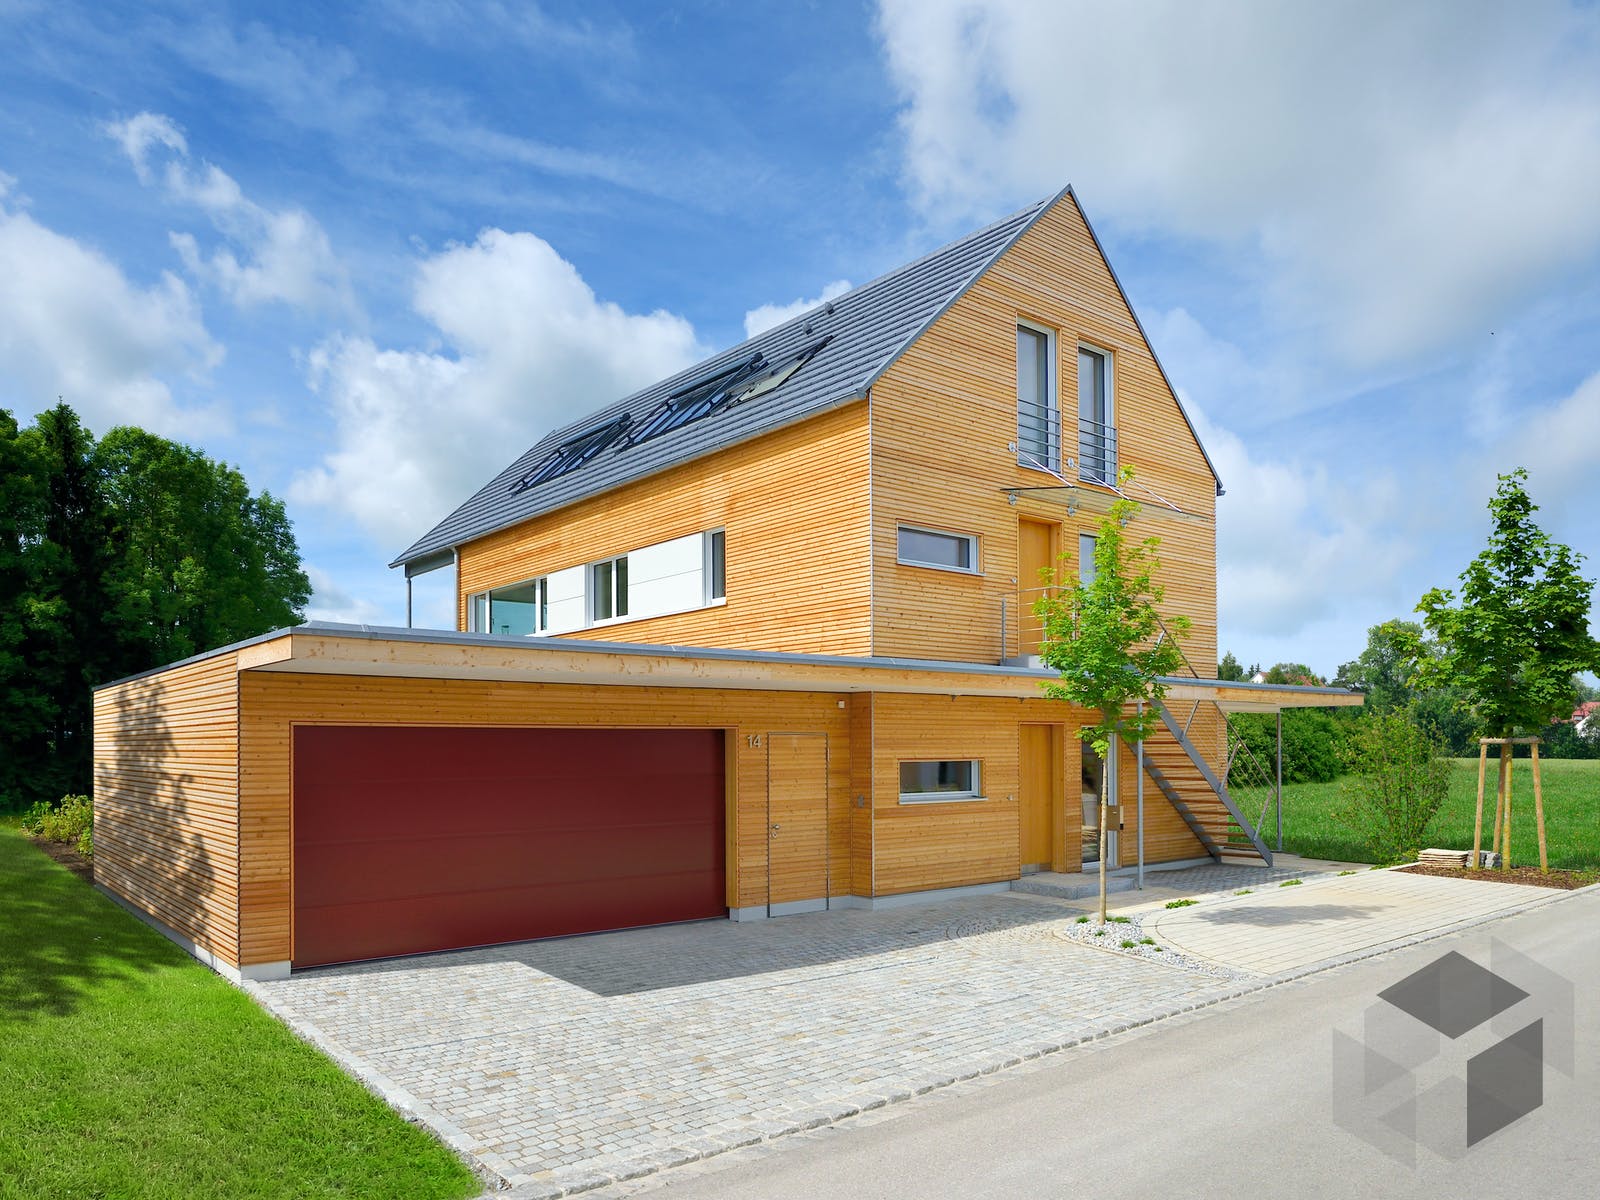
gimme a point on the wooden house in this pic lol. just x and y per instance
(757, 640)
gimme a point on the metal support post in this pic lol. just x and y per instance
(1139, 753)
(1279, 789)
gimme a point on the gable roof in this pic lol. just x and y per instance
(867, 329)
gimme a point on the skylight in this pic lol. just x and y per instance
(733, 385)
(574, 452)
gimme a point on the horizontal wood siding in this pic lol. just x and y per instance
(794, 505)
(860, 750)
(944, 421)
(166, 775)
(920, 846)
(272, 703)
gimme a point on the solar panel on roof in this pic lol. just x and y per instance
(574, 452)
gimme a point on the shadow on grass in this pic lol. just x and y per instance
(59, 939)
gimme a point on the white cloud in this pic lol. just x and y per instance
(286, 254)
(1296, 543)
(529, 347)
(1408, 172)
(331, 602)
(72, 325)
(1560, 446)
(769, 316)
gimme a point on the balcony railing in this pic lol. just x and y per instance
(1097, 450)
(1038, 435)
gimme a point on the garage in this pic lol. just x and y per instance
(409, 839)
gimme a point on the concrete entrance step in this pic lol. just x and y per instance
(1075, 886)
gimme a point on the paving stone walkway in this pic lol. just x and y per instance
(565, 1064)
(1280, 930)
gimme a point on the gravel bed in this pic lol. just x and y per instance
(1119, 929)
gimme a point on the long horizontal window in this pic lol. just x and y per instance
(933, 548)
(932, 781)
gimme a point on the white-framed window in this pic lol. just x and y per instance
(1086, 545)
(1097, 418)
(937, 548)
(716, 564)
(608, 589)
(941, 781)
(1038, 402)
(521, 610)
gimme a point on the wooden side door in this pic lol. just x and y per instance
(797, 822)
(1037, 543)
(1039, 796)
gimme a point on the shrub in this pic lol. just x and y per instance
(68, 821)
(1398, 783)
(1313, 743)
(85, 845)
(33, 819)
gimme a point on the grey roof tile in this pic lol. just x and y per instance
(870, 326)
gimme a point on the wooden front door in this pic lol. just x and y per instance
(1039, 796)
(1036, 550)
(797, 822)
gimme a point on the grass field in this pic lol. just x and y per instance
(129, 1070)
(1571, 814)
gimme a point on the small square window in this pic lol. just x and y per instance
(933, 548)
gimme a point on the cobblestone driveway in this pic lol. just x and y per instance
(563, 1064)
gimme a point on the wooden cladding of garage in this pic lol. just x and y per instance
(196, 796)
(166, 797)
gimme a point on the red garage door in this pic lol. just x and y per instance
(415, 839)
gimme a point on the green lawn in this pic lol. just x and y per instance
(129, 1070)
(1571, 814)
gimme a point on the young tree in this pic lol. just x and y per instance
(1512, 646)
(1105, 638)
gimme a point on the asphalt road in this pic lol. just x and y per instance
(1234, 1101)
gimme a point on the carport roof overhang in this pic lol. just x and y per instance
(334, 649)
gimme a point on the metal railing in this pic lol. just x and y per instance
(1097, 450)
(1039, 435)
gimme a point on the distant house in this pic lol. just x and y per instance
(754, 641)
(1586, 719)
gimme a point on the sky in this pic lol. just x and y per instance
(370, 252)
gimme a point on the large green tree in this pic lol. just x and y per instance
(115, 558)
(1106, 640)
(1382, 672)
(1513, 642)
(203, 562)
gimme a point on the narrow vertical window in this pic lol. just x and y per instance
(610, 580)
(1038, 414)
(1086, 545)
(478, 613)
(716, 555)
(1097, 431)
